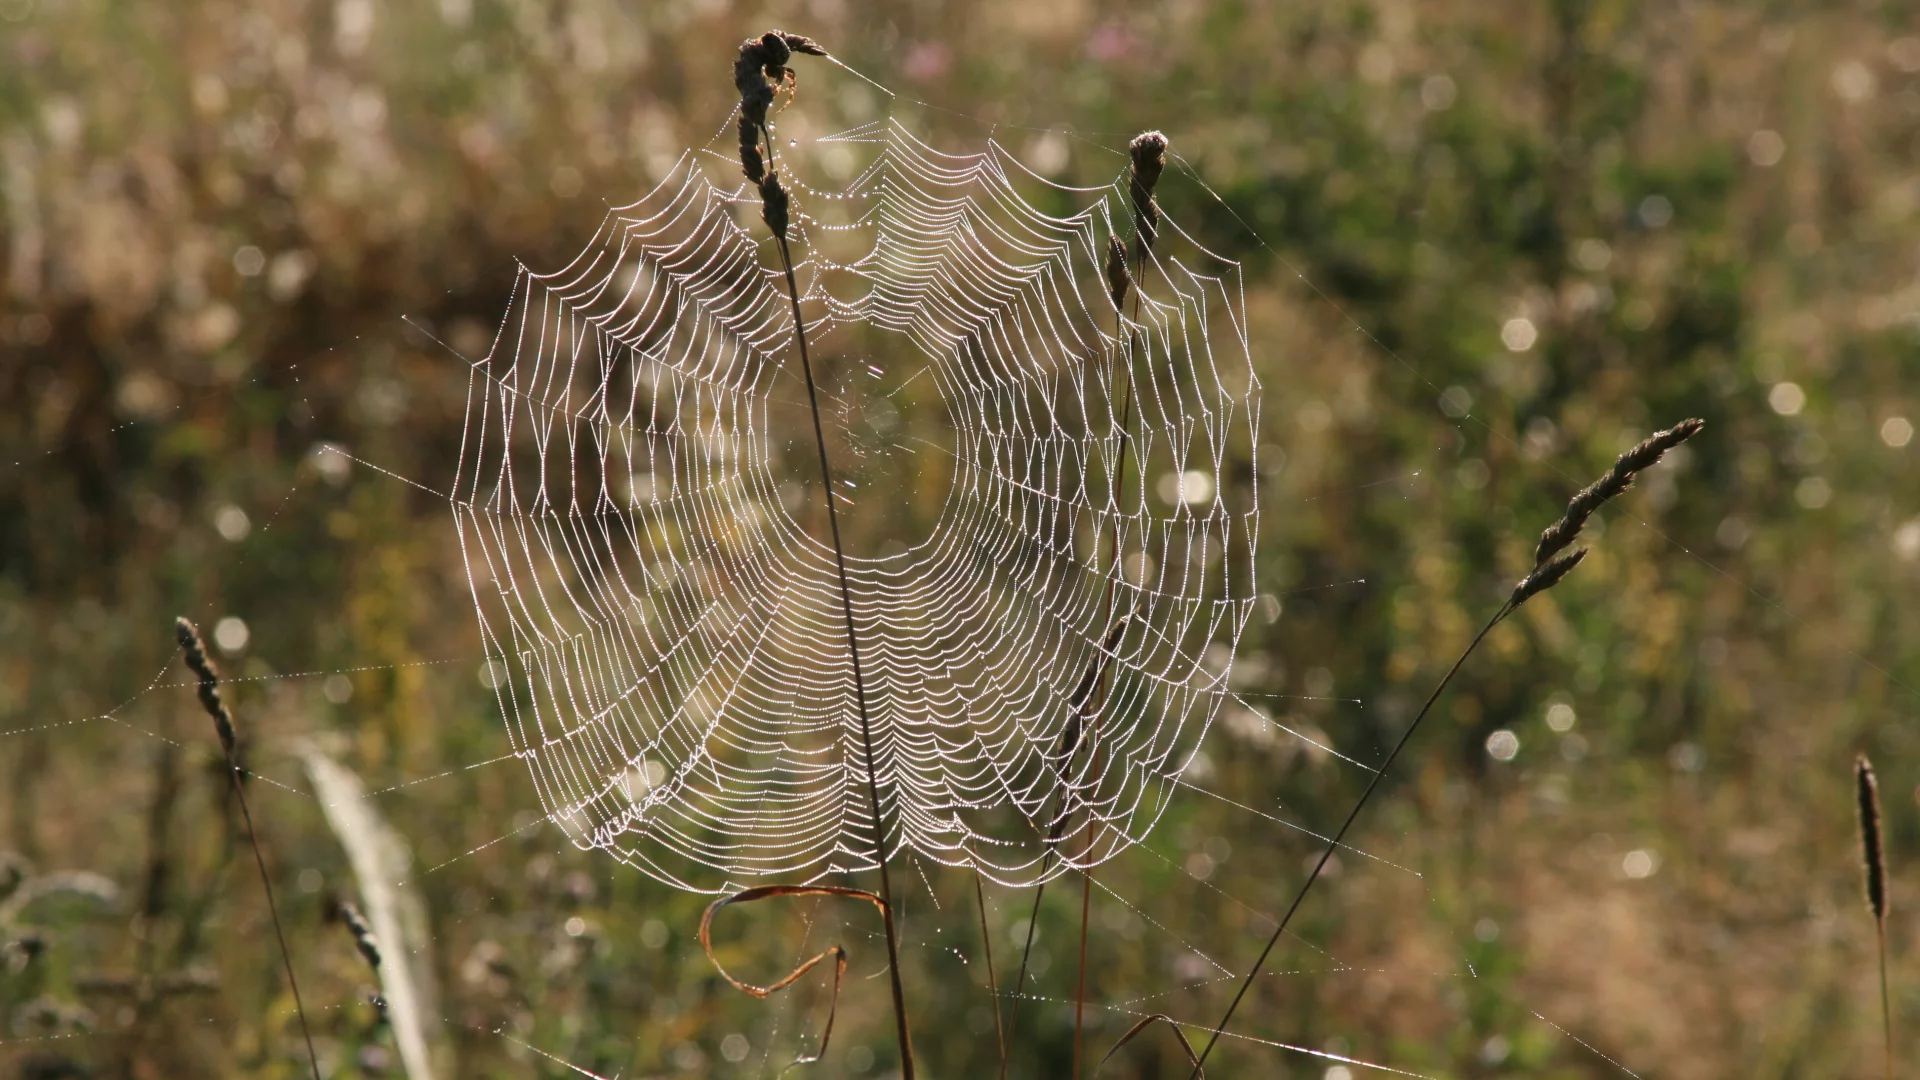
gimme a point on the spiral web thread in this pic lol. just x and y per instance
(667, 635)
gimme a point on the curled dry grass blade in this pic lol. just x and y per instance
(1140, 1027)
(838, 953)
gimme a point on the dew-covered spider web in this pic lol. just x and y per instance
(1049, 506)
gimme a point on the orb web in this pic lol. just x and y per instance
(651, 572)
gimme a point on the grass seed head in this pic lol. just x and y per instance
(196, 655)
(1872, 850)
(758, 73)
(1149, 152)
(1545, 577)
(1643, 456)
(363, 938)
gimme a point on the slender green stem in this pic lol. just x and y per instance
(1334, 843)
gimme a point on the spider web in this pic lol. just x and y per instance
(656, 592)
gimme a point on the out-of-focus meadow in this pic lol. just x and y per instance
(1559, 225)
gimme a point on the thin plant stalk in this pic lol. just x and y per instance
(1886, 1001)
(196, 656)
(1020, 981)
(1148, 152)
(1080, 989)
(762, 66)
(1333, 844)
(1123, 339)
(859, 685)
(1552, 563)
(1145, 175)
(993, 986)
(395, 914)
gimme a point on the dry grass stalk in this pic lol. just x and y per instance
(1141, 1026)
(345, 913)
(993, 984)
(159, 872)
(1148, 159)
(1873, 857)
(1084, 704)
(759, 73)
(209, 689)
(1551, 566)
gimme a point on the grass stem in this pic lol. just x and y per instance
(1333, 844)
(1886, 1001)
(196, 656)
(859, 684)
(993, 986)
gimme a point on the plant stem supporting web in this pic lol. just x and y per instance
(853, 654)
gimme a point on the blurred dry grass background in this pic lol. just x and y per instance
(1575, 221)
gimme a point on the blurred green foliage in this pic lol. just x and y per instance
(1487, 246)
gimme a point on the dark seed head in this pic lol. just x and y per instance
(773, 204)
(195, 653)
(1149, 153)
(357, 925)
(805, 46)
(1545, 577)
(758, 72)
(1118, 277)
(1872, 850)
(751, 162)
(1643, 456)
